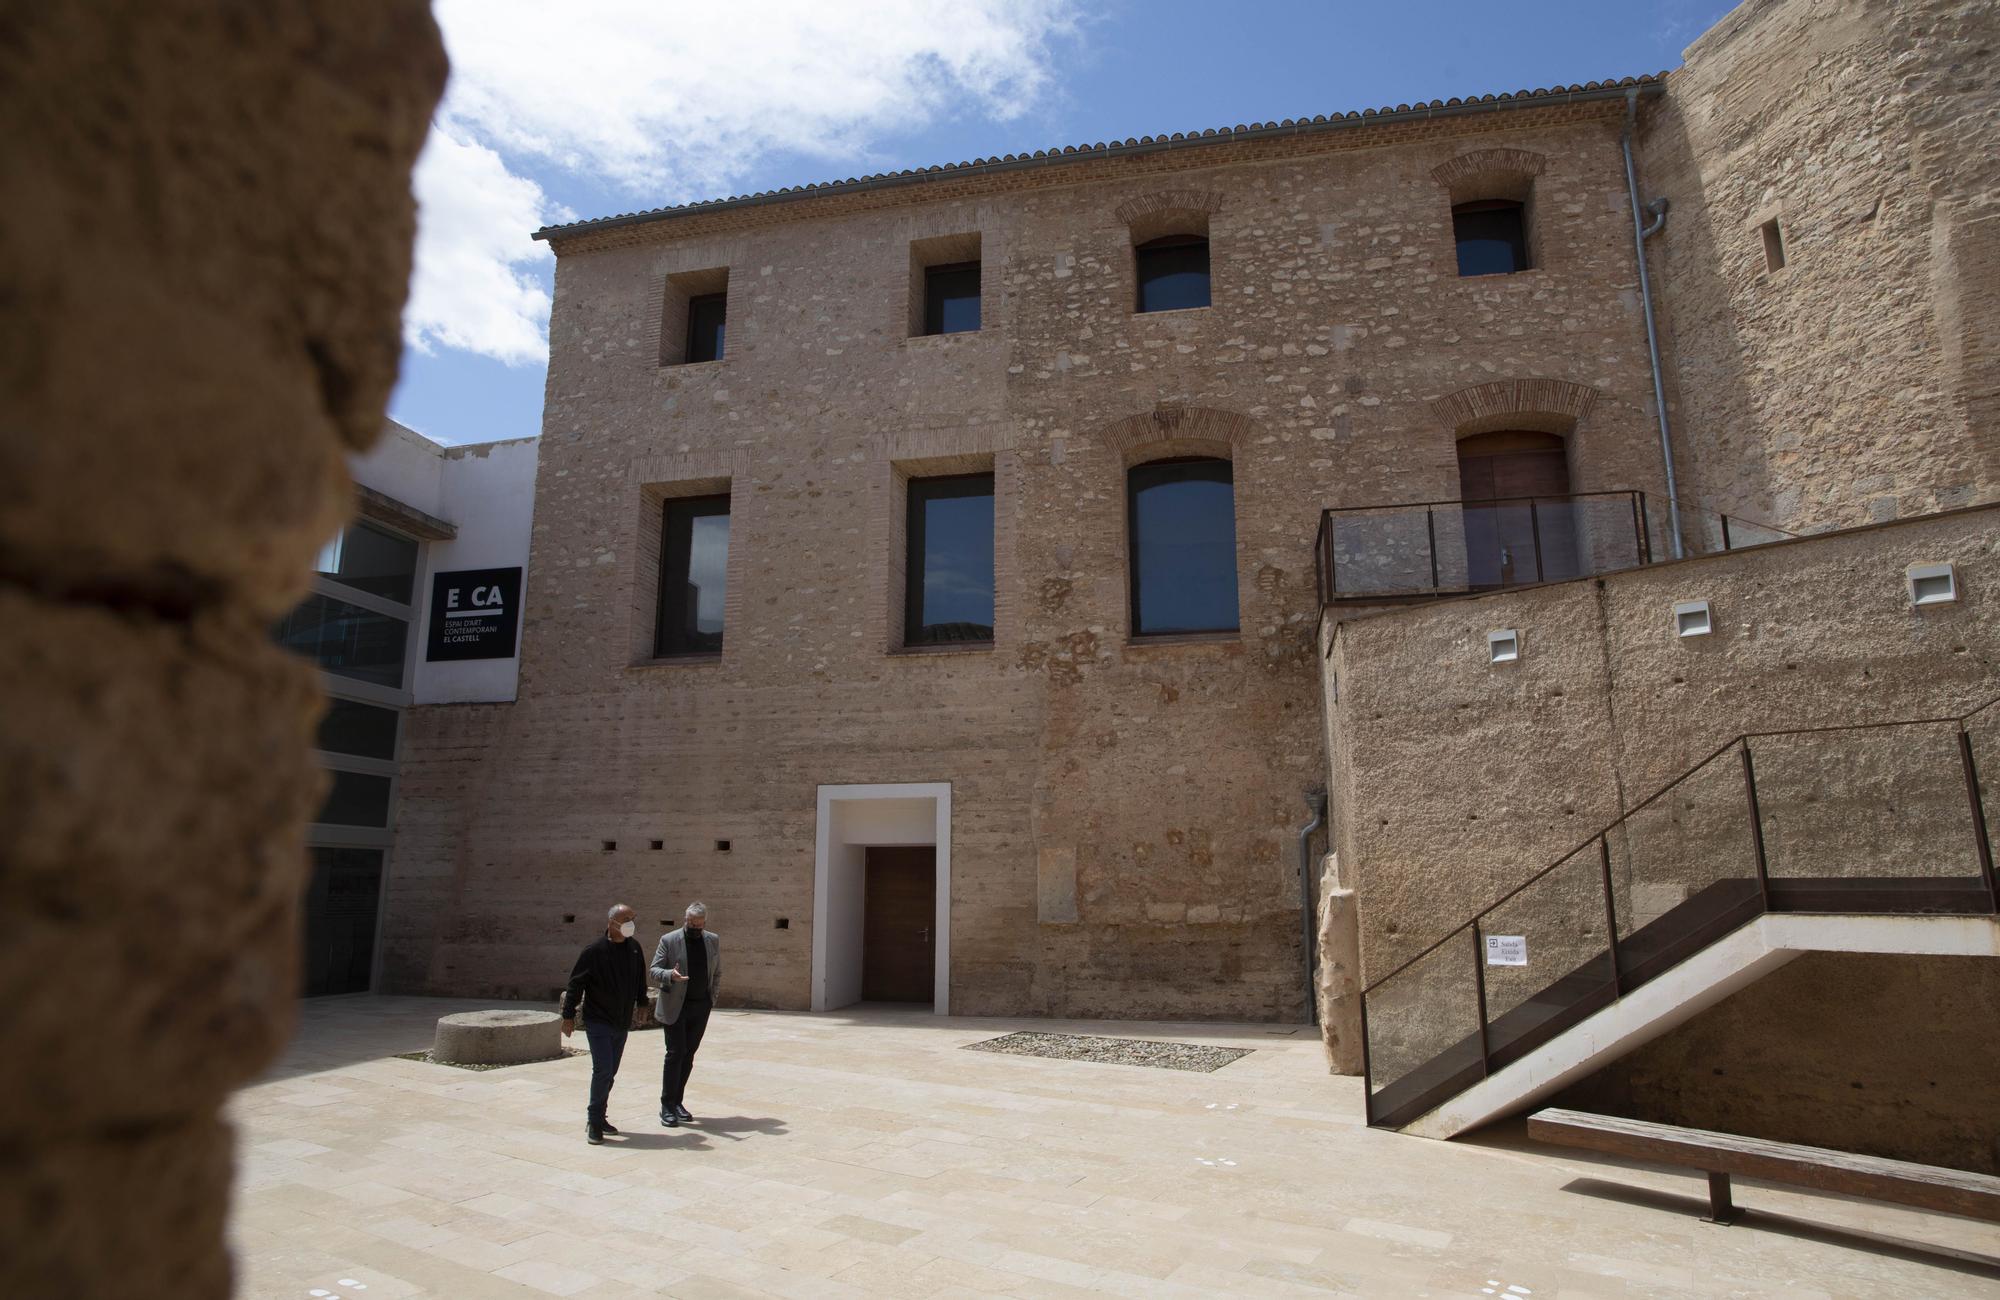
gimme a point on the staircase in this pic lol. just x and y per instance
(1871, 838)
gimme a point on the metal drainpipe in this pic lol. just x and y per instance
(1639, 233)
(1315, 800)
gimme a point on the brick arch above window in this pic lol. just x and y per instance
(1168, 212)
(1542, 405)
(1489, 174)
(1172, 430)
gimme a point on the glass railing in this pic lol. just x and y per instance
(1884, 818)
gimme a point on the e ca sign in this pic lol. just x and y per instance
(474, 614)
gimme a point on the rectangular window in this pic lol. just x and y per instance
(694, 563)
(356, 799)
(366, 730)
(346, 640)
(707, 314)
(368, 559)
(1172, 273)
(1774, 246)
(951, 298)
(1182, 517)
(1492, 237)
(949, 596)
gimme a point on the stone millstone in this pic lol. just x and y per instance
(497, 1037)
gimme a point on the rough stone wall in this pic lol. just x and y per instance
(1455, 780)
(1861, 382)
(1159, 783)
(203, 255)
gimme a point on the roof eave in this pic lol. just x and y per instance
(1649, 87)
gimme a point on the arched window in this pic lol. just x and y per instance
(1173, 272)
(1492, 237)
(1181, 517)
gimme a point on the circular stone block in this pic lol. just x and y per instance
(497, 1037)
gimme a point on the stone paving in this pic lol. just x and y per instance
(861, 1153)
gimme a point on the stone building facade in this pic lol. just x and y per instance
(1114, 814)
(1123, 808)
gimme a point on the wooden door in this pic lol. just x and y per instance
(1528, 533)
(899, 916)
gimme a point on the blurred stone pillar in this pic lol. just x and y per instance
(1339, 973)
(204, 248)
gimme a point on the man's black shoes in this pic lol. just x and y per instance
(607, 1128)
(668, 1119)
(682, 1111)
(594, 1134)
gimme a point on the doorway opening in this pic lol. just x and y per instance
(882, 896)
(1520, 524)
(340, 911)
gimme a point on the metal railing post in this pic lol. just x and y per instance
(1645, 535)
(1431, 527)
(1725, 532)
(1479, 982)
(1367, 1071)
(1980, 837)
(1535, 529)
(1756, 826)
(1610, 914)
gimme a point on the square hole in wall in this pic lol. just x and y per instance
(1932, 584)
(1692, 618)
(1503, 646)
(610, 846)
(1774, 245)
(656, 845)
(569, 918)
(784, 923)
(722, 846)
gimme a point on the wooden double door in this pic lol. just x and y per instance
(898, 926)
(1520, 521)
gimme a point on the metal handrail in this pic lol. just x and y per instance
(1731, 743)
(1327, 566)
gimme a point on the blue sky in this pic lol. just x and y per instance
(630, 104)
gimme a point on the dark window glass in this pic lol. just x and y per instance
(1492, 238)
(950, 571)
(1183, 524)
(694, 561)
(346, 640)
(356, 799)
(951, 298)
(339, 920)
(367, 559)
(706, 315)
(353, 728)
(1173, 273)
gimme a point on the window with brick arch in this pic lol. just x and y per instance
(1181, 521)
(1492, 237)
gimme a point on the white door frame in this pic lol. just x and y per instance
(829, 795)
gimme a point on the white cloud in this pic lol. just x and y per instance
(664, 102)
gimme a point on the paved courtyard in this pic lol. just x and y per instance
(863, 1153)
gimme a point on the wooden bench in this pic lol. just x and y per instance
(1719, 1155)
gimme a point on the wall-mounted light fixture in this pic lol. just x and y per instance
(1503, 646)
(1932, 584)
(1691, 618)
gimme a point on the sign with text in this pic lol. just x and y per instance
(474, 614)
(1506, 950)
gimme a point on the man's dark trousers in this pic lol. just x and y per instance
(683, 1041)
(607, 1048)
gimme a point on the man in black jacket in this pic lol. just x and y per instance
(609, 979)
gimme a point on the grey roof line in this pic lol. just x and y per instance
(1589, 90)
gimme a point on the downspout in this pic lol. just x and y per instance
(1315, 800)
(1640, 232)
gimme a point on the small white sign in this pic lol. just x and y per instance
(1506, 950)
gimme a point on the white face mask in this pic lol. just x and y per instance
(627, 929)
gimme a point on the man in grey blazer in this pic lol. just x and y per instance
(688, 965)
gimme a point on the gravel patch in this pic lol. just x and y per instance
(1113, 1051)
(460, 1065)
